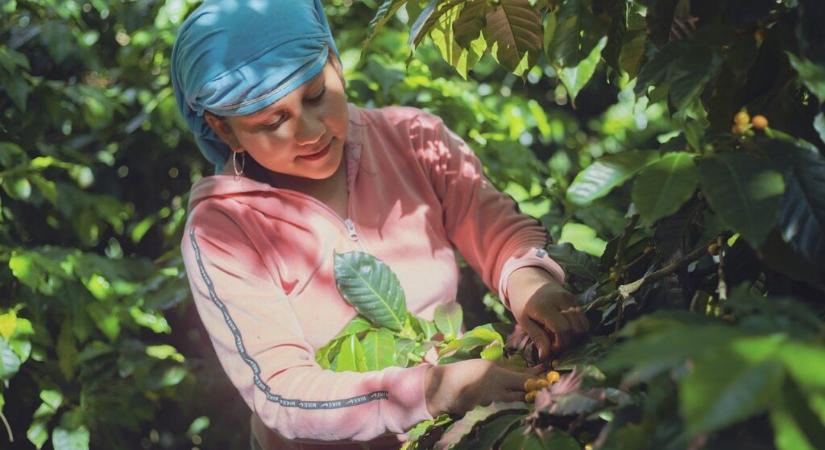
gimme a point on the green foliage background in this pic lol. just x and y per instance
(607, 120)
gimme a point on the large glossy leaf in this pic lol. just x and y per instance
(723, 389)
(514, 31)
(372, 288)
(351, 356)
(448, 318)
(379, 349)
(663, 186)
(795, 425)
(576, 77)
(462, 427)
(802, 215)
(583, 238)
(599, 178)
(744, 191)
(811, 73)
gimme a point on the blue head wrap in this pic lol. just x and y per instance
(236, 57)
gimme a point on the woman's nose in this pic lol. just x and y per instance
(310, 130)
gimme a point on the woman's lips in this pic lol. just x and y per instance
(318, 155)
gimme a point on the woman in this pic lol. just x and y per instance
(260, 83)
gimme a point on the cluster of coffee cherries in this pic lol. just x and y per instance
(533, 385)
(742, 122)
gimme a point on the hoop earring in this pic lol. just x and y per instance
(238, 171)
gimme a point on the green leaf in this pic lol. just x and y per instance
(66, 351)
(448, 319)
(472, 19)
(491, 432)
(38, 433)
(379, 349)
(802, 214)
(575, 34)
(427, 327)
(806, 364)
(351, 356)
(493, 351)
(8, 324)
(515, 34)
(599, 178)
(77, 439)
(464, 426)
(663, 186)
(384, 13)
(442, 34)
(744, 191)
(357, 325)
(811, 73)
(583, 238)
(819, 125)
(9, 362)
(723, 389)
(372, 288)
(576, 77)
(675, 66)
(795, 425)
(522, 438)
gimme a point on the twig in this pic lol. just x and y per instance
(722, 287)
(626, 290)
(8, 427)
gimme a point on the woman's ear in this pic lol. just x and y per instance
(222, 128)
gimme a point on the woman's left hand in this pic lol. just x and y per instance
(547, 312)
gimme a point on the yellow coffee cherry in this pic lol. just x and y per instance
(530, 385)
(541, 384)
(741, 118)
(530, 397)
(552, 376)
(739, 128)
(588, 447)
(760, 122)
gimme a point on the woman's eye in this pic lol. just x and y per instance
(318, 97)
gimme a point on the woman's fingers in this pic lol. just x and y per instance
(539, 336)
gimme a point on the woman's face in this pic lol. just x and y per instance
(302, 134)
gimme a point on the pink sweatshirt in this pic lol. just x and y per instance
(260, 265)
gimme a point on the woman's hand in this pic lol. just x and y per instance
(459, 387)
(547, 312)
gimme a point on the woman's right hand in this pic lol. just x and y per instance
(459, 387)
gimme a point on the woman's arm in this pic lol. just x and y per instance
(505, 247)
(261, 347)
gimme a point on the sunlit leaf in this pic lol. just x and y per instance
(576, 77)
(515, 27)
(599, 178)
(663, 186)
(372, 288)
(448, 318)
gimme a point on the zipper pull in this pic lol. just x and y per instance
(353, 235)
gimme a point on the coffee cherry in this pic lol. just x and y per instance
(541, 384)
(760, 122)
(741, 118)
(739, 128)
(588, 447)
(553, 376)
(530, 397)
(530, 385)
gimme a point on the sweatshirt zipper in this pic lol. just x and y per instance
(353, 234)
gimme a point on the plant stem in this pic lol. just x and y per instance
(722, 287)
(8, 427)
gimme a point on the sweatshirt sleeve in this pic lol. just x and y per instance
(484, 224)
(261, 347)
